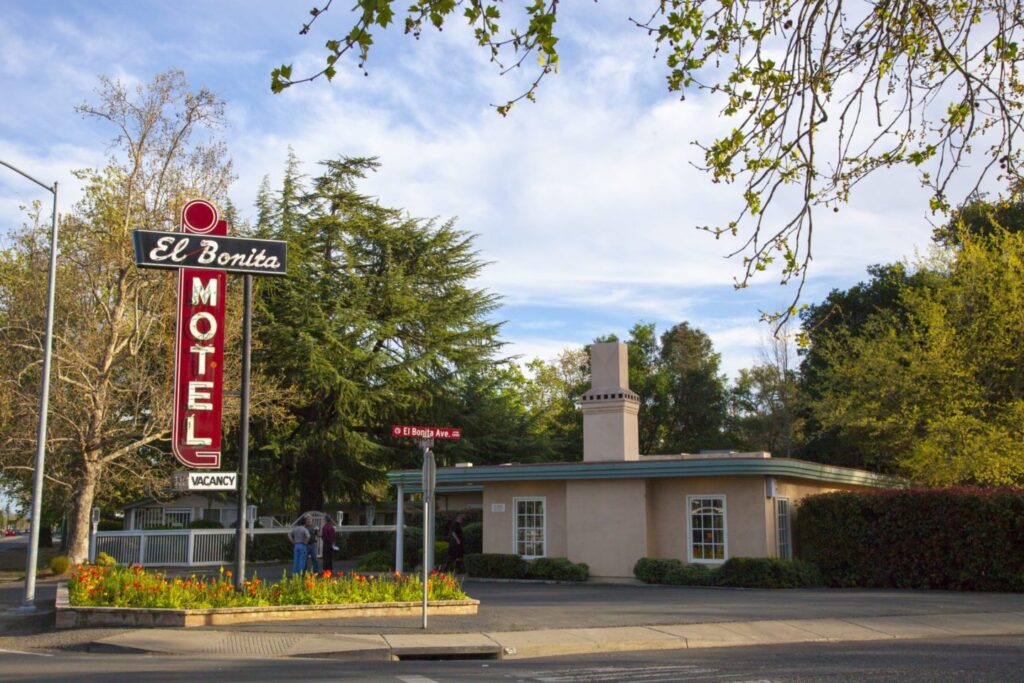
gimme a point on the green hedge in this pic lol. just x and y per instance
(473, 537)
(960, 538)
(205, 524)
(495, 566)
(500, 566)
(737, 572)
(376, 561)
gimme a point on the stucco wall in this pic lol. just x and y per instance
(745, 512)
(499, 527)
(606, 523)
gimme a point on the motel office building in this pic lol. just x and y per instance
(617, 506)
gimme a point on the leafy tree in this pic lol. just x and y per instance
(110, 394)
(377, 316)
(696, 390)
(763, 400)
(934, 388)
(553, 395)
(823, 94)
(979, 216)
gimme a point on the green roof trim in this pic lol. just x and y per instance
(704, 467)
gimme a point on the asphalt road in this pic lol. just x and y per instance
(976, 659)
(518, 607)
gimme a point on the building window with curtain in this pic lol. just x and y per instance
(530, 528)
(706, 529)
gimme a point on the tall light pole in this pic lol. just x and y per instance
(29, 603)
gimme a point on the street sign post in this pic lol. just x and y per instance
(426, 436)
(204, 254)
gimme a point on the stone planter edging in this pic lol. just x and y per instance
(70, 616)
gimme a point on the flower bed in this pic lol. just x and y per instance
(92, 586)
(130, 596)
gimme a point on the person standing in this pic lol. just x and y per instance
(330, 539)
(456, 545)
(311, 544)
(299, 536)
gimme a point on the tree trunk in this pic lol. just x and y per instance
(81, 511)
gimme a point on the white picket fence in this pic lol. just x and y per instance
(185, 547)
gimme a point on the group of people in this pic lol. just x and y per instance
(304, 539)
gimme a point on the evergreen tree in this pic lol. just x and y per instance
(376, 318)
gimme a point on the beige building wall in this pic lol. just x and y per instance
(745, 514)
(499, 514)
(606, 523)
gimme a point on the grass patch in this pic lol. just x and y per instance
(12, 563)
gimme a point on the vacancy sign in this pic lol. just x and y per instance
(212, 481)
(454, 433)
(199, 349)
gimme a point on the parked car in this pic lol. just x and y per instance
(10, 532)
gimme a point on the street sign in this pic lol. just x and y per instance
(453, 433)
(211, 251)
(212, 481)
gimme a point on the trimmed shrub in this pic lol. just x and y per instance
(767, 572)
(653, 570)
(110, 525)
(679, 574)
(558, 569)
(205, 524)
(104, 560)
(959, 538)
(376, 561)
(496, 566)
(473, 537)
(60, 564)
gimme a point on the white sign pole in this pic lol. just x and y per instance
(428, 494)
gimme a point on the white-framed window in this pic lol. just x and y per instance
(530, 527)
(177, 518)
(705, 526)
(783, 529)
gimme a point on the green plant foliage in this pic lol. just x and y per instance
(205, 524)
(362, 542)
(60, 564)
(930, 386)
(134, 587)
(105, 560)
(496, 566)
(110, 525)
(653, 570)
(918, 85)
(473, 538)
(376, 561)
(679, 574)
(960, 538)
(364, 280)
(557, 569)
(767, 572)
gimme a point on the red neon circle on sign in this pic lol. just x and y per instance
(199, 215)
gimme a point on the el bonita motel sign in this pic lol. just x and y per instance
(203, 255)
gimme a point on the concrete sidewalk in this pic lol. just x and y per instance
(552, 642)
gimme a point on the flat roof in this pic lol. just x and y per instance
(656, 467)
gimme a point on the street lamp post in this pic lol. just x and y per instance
(29, 603)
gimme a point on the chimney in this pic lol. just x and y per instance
(610, 431)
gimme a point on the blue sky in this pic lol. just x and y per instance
(585, 203)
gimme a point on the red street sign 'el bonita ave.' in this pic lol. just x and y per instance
(454, 433)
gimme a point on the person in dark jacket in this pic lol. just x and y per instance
(330, 539)
(456, 545)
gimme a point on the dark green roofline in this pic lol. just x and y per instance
(710, 467)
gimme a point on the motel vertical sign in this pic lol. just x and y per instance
(199, 350)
